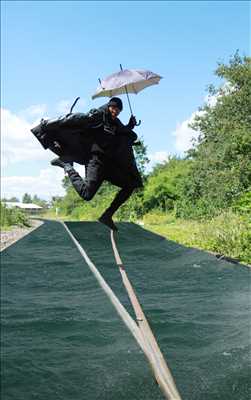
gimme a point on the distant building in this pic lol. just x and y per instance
(28, 208)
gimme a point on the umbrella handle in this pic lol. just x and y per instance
(138, 123)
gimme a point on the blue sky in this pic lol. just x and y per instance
(54, 51)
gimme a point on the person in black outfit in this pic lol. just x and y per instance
(111, 158)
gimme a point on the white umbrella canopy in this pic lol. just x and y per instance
(126, 81)
(123, 82)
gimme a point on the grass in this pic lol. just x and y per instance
(7, 228)
(228, 234)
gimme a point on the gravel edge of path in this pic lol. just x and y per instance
(16, 233)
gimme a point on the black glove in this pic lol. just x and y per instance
(132, 122)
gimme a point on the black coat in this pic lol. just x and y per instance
(76, 136)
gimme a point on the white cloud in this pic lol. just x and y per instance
(211, 101)
(19, 145)
(184, 135)
(36, 111)
(226, 89)
(64, 106)
(17, 141)
(157, 157)
(47, 184)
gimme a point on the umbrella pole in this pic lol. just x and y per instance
(128, 100)
(127, 94)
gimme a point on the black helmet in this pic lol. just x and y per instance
(115, 101)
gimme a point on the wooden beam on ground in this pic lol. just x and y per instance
(159, 366)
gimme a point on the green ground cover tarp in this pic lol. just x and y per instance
(62, 339)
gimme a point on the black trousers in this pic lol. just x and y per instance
(101, 168)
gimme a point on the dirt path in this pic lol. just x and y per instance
(16, 233)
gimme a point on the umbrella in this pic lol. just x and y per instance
(126, 81)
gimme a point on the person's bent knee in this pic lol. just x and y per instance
(88, 192)
(87, 195)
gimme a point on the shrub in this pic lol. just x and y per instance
(13, 216)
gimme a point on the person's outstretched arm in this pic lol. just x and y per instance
(128, 129)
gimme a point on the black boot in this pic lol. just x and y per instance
(57, 162)
(106, 219)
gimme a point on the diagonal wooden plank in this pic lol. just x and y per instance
(125, 316)
(159, 366)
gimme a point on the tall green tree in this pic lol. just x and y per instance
(140, 152)
(40, 202)
(221, 170)
(164, 184)
(27, 198)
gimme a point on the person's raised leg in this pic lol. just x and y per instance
(87, 187)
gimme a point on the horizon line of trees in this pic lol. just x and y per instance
(27, 198)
